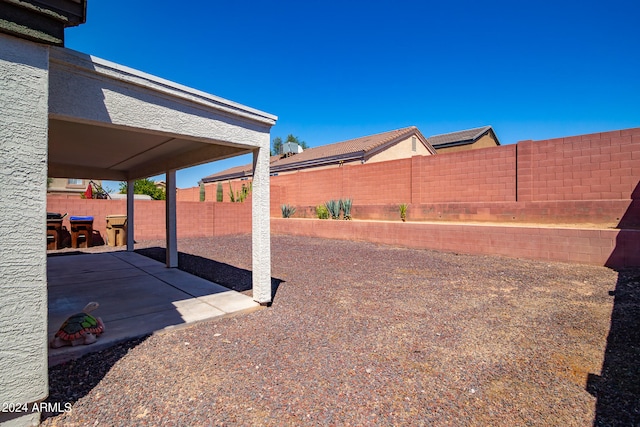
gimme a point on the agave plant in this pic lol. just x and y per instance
(333, 206)
(288, 211)
(345, 205)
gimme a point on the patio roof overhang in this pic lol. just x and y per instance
(110, 122)
(107, 121)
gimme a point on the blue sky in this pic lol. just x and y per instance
(333, 71)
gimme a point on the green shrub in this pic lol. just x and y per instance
(322, 212)
(288, 211)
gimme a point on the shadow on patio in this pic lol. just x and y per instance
(137, 296)
(237, 279)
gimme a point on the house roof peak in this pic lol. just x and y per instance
(353, 149)
(459, 137)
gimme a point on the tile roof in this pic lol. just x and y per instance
(353, 149)
(358, 147)
(458, 138)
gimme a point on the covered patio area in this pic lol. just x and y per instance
(110, 122)
(137, 295)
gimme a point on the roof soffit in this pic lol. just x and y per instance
(89, 67)
(112, 122)
(41, 21)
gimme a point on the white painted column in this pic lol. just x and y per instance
(171, 223)
(130, 215)
(261, 225)
(24, 122)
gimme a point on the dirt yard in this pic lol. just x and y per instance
(366, 335)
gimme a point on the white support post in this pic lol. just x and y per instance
(172, 235)
(261, 225)
(130, 215)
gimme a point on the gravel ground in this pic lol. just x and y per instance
(366, 335)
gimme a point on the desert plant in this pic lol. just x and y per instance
(333, 206)
(345, 206)
(219, 193)
(403, 211)
(240, 195)
(288, 211)
(322, 212)
(202, 191)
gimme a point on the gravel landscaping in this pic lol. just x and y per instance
(368, 335)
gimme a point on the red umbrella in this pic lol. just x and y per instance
(88, 194)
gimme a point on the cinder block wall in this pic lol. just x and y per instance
(188, 194)
(483, 175)
(194, 219)
(612, 248)
(600, 166)
(581, 179)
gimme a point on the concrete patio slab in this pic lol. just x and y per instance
(137, 296)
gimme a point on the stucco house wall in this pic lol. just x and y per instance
(24, 68)
(64, 187)
(402, 150)
(483, 142)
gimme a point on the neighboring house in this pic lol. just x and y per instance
(470, 139)
(392, 145)
(161, 185)
(68, 187)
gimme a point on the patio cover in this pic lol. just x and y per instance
(110, 122)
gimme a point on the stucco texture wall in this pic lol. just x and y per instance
(484, 142)
(401, 150)
(23, 177)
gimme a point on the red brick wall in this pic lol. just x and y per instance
(188, 194)
(483, 175)
(98, 209)
(194, 219)
(471, 176)
(601, 166)
(613, 248)
(588, 178)
(232, 218)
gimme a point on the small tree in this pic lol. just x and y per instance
(277, 146)
(145, 186)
